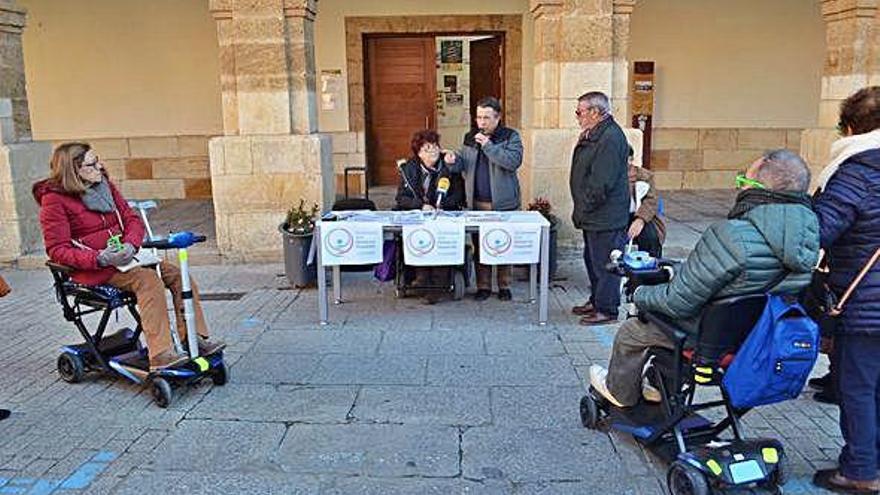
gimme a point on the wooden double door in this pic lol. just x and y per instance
(401, 90)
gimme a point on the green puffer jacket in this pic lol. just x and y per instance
(737, 257)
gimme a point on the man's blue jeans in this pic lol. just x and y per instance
(858, 362)
(604, 286)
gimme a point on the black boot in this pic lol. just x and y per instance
(4, 413)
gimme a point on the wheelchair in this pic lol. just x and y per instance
(702, 459)
(456, 281)
(121, 353)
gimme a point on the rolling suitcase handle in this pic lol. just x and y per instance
(345, 172)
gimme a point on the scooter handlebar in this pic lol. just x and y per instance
(177, 240)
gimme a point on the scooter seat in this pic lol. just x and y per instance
(98, 296)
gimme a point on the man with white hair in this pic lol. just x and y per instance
(600, 193)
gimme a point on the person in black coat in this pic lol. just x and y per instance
(601, 199)
(417, 190)
(848, 208)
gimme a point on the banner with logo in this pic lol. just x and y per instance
(351, 243)
(509, 243)
(434, 243)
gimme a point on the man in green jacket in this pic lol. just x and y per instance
(769, 243)
(600, 193)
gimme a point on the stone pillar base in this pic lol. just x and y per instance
(256, 179)
(21, 165)
(816, 150)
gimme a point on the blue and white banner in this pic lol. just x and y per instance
(351, 243)
(434, 243)
(505, 243)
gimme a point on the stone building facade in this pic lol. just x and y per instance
(271, 146)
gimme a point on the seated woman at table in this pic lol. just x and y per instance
(419, 178)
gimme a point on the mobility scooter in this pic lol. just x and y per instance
(702, 461)
(121, 353)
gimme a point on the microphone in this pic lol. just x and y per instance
(442, 189)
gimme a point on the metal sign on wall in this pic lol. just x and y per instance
(642, 105)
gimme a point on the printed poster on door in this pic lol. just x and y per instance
(351, 243)
(509, 243)
(433, 243)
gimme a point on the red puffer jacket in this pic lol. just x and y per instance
(64, 219)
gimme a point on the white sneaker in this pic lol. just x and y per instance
(598, 376)
(649, 392)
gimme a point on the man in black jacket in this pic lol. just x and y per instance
(600, 192)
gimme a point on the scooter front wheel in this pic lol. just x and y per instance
(684, 479)
(220, 375)
(589, 412)
(70, 367)
(161, 390)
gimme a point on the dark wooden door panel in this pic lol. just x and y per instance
(401, 81)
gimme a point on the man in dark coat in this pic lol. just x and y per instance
(769, 242)
(600, 192)
(849, 219)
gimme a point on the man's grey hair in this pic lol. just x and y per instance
(597, 100)
(784, 170)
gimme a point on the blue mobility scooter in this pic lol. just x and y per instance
(702, 460)
(121, 353)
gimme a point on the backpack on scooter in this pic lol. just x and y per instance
(776, 358)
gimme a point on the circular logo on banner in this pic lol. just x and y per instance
(496, 242)
(421, 242)
(339, 241)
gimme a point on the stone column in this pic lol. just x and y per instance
(852, 61)
(579, 46)
(22, 161)
(270, 155)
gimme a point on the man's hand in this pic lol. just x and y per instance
(116, 257)
(481, 138)
(449, 157)
(636, 228)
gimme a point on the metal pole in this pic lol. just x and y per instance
(188, 311)
(545, 275)
(322, 278)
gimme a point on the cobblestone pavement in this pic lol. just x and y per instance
(391, 397)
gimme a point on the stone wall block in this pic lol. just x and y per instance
(152, 147)
(718, 139)
(181, 168)
(737, 160)
(110, 149)
(115, 168)
(576, 78)
(139, 169)
(344, 142)
(193, 145)
(760, 138)
(670, 139)
(237, 158)
(709, 179)
(264, 113)
(793, 139)
(197, 188)
(154, 189)
(552, 148)
(668, 180)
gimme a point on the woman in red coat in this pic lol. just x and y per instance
(80, 209)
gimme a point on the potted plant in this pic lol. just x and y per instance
(542, 206)
(297, 231)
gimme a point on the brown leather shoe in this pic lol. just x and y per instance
(166, 359)
(207, 347)
(597, 318)
(584, 309)
(831, 479)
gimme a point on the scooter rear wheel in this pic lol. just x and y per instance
(684, 479)
(70, 367)
(220, 375)
(589, 412)
(161, 390)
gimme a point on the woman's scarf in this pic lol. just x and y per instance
(845, 148)
(98, 197)
(751, 198)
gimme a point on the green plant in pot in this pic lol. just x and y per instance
(543, 206)
(297, 231)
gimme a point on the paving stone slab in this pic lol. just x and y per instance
(277, 403)
(218, 446)
(423, 405)
(537, 407)
(469, 341)
(344, 369)
(194, 483)
(318, 342)
(533, 343)
(423, 486)
(565, 454)
(500, 370)
(374, 450)
(274, 368)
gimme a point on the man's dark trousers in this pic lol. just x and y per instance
(604, 286)
(859, 388)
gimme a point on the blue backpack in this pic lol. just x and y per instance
(776, 358)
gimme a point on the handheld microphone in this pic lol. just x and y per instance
(442, 189)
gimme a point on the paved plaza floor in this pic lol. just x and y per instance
(392, 397)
